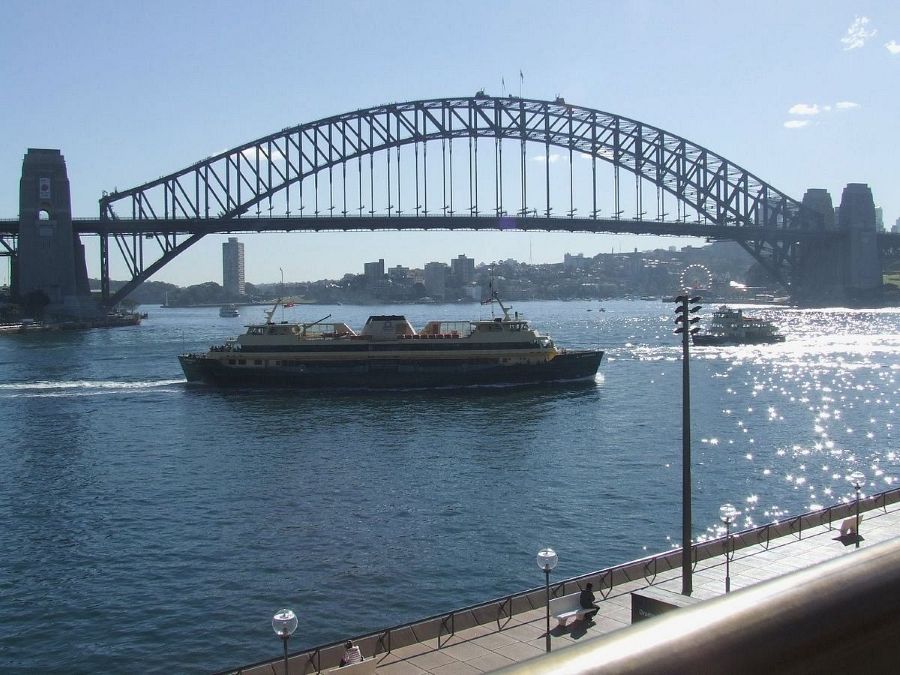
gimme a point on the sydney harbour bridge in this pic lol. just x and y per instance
(469, 163)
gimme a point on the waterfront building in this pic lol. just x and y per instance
(398, 273)
(462, 269)
(373, 271)
(233, 267)
(436, 274)
(573, 263)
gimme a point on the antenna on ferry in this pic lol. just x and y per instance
(494, 297)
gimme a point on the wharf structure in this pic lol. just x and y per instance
(805, 599)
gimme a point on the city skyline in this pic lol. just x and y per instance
(824, 116)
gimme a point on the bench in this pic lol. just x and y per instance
(568, 606)
(364, 667)
(848, 526)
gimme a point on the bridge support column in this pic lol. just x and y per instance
(844, 268)
(50, 255)
(862, 269)
(819, 276)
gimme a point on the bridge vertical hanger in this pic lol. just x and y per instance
(371, 169)
(450, 135)
(594, 150)
(424, 164)
(399, 198)
(359, 163)
(547, 158)
(524, 164)
(416, 157)
(617, 159)
(472, 194)
(638, 168)
(330, 170)
(571, 169)
(387, 153)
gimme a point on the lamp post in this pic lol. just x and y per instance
(281, 293)
(547, 560)
(685, 308)
(284, 623)
(727, 514)
(858, 479)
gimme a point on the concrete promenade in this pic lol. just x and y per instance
(445, 647)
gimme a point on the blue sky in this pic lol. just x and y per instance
(803, 94)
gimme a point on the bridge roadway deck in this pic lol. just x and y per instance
(149, 227)
(491, 646)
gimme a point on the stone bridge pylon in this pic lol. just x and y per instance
(50, 256)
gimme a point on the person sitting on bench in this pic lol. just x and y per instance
(352, 654)
(587, 602)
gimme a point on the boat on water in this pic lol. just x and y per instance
(111, 320)
(229, 311)
(389, 353)
(731, 327)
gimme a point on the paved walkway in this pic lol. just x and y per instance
(485, 648)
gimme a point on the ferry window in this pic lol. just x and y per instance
(231, 362)
(241, 362)
(257, 362)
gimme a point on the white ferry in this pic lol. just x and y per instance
(389, 353)
(731, 327)
(229, 311)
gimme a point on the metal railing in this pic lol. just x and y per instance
(837, 616)
(442, 626)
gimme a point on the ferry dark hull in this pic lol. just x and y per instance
(567, 367)
(702, 340)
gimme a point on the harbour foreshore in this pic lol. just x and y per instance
(504, 631)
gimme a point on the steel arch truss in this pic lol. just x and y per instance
(230, 185)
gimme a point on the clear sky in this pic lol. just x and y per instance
(802, 93)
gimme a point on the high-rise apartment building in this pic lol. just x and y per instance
(233, 266)
(462, 269)
(373, 271)
(436, 274)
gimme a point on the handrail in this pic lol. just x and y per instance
(838, 615)
(605, 580)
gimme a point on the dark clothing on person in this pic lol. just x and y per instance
(587, 602)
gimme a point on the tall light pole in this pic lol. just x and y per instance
(284, 623)
(281, 293)
(683, 317)
(727, 514)
(547, 560)
(858, 479)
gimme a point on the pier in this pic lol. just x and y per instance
(506, 632)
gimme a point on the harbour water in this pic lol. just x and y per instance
(153, 526)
